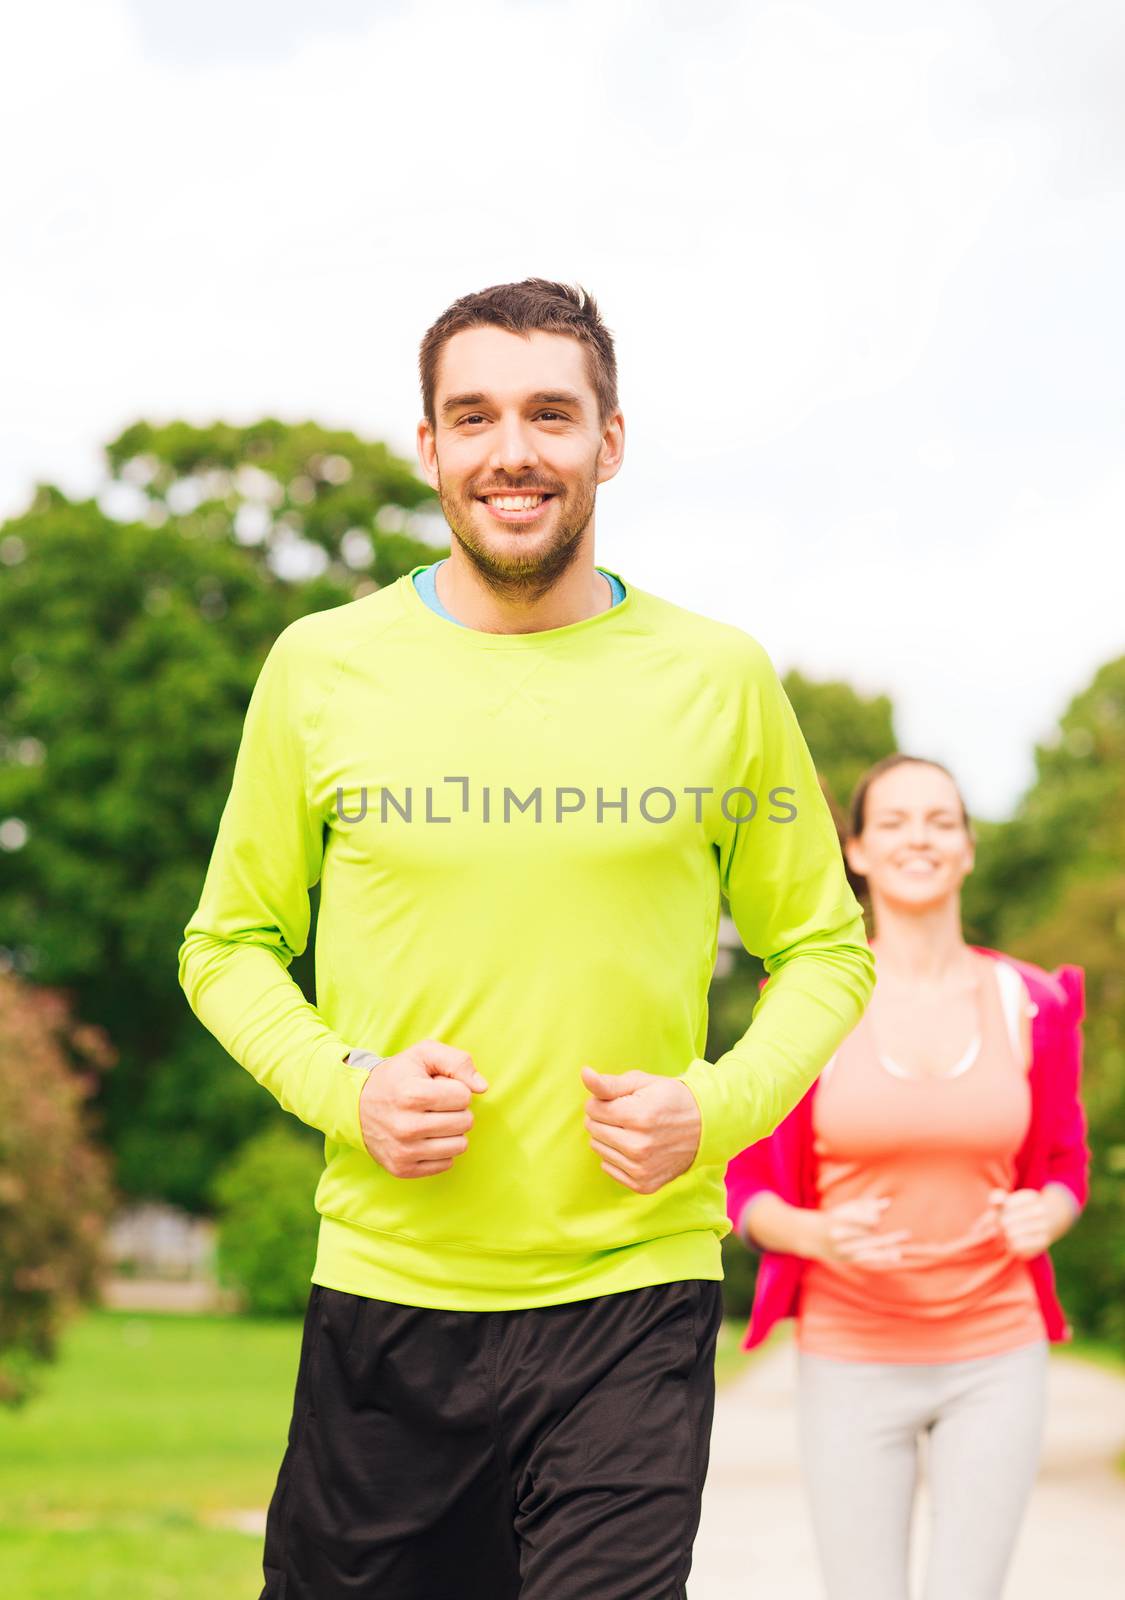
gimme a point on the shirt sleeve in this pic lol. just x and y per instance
(769, 1166)
(253, 916)
(1068, 1152)
(783, 873)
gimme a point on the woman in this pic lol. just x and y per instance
(904, 1210)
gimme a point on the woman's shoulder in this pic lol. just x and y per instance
(1057, 995)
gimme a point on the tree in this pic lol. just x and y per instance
(130, 653)
(54, 1189)
(1088, 928)
(273, 486)
(267, 1233)
(1068, 827)
(1050, 886)
(131, 656)
(846, 732)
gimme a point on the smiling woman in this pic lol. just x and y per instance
(912, 1198)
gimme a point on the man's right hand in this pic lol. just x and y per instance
(414, 1109)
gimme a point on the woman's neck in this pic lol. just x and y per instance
(919, 946)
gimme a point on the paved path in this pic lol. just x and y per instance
(754, 1541)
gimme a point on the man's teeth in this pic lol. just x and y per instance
(515, 502)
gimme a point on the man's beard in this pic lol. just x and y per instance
(525, 576)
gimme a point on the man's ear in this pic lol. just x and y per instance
(612, 451)
(427, 453)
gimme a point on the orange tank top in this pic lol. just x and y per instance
(935, 1147)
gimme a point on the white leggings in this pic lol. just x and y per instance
(860, 1426)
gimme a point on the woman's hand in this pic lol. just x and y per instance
(1032, 1219)
(849, 1233)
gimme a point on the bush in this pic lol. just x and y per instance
(1087, 927)
(54, 1185)
(267, 1224)
(740, 1272)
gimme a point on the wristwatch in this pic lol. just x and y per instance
(365, 1059)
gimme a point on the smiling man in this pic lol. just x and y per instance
(524, 787)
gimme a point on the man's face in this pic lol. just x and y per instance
(516, 453)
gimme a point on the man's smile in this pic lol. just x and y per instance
(516, 507)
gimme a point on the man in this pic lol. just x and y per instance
(523, 788)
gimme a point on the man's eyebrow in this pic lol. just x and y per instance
(456, 401)
(542, 397)
(557, 397)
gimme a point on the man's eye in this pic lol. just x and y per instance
(551, 416)
(473, 416)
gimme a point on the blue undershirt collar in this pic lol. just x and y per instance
(426, 584)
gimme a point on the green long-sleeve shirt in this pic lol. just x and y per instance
(521, 841)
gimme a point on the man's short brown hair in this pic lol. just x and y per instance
(533, 306)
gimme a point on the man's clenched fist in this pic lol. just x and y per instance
(644, 1127)
(414, 1109)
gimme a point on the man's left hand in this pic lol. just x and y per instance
(644, 1127)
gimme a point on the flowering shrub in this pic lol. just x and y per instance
(54, 1186)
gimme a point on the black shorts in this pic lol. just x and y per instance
(551, 1454)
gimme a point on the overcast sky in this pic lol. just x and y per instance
(863, 261)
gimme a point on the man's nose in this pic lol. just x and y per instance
(514, 450)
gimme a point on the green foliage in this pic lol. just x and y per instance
(845, 731)
(1070, 826)
(132, 656)
(740, 1271)
(273, 483)
(54, 1192)
(1012, 874)
(130, 650)
(267, 1224)
(1089, 928)
(1057, 885)
(1078, 786)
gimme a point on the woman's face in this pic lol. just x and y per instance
(914, 850)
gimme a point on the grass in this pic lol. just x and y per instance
(1097, 1352)
(148, 1563)
(730, 1358)
(147, 1430)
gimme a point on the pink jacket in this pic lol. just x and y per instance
(1054, 1151)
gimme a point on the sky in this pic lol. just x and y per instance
(863, 263)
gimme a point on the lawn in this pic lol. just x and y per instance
(730, 1359)
(149, 1431)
